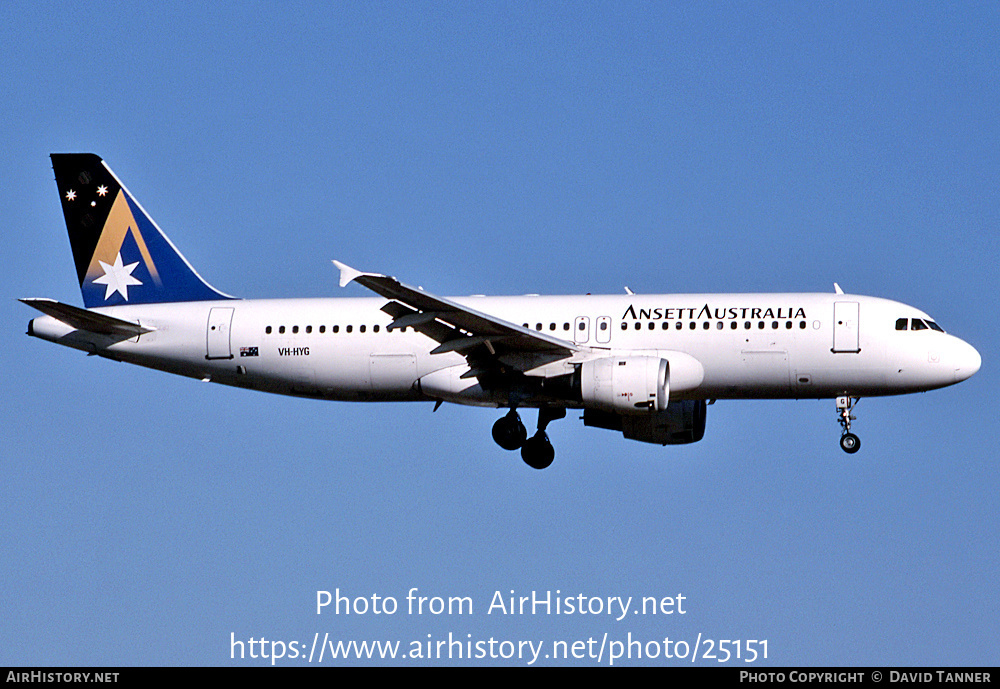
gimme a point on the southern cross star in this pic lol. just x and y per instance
(117, 277)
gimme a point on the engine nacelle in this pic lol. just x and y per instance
(680, 423)
(626, 384)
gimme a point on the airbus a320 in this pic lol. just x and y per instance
(647, 366)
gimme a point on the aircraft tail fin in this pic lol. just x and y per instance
(121, 256)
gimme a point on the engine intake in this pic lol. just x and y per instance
(626, 384)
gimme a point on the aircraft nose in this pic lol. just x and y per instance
(967, 360)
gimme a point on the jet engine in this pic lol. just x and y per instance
(626, 384)
(682, 422)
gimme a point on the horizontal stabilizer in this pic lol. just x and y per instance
(82, 319)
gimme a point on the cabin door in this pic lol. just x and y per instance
(220, 321)
(845, 327)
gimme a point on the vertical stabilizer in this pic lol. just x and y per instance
(121, 256)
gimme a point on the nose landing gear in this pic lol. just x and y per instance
(849, 442)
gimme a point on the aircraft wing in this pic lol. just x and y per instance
(480, 337)
(82, 319)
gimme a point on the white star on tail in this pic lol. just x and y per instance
(117, 277)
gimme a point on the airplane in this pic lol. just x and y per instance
(647, 366)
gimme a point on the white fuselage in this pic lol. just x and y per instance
(721, 346)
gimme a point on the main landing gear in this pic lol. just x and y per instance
(508, 432)
(536, 451)
(849, 442)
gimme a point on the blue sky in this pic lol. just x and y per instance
(504, 148)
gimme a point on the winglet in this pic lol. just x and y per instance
(347, 274)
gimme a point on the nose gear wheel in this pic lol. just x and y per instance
(849, 442)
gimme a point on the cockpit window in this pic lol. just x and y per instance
(917, 324)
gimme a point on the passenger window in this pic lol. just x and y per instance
(268, 330)
(281, 330)
(901, 323)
